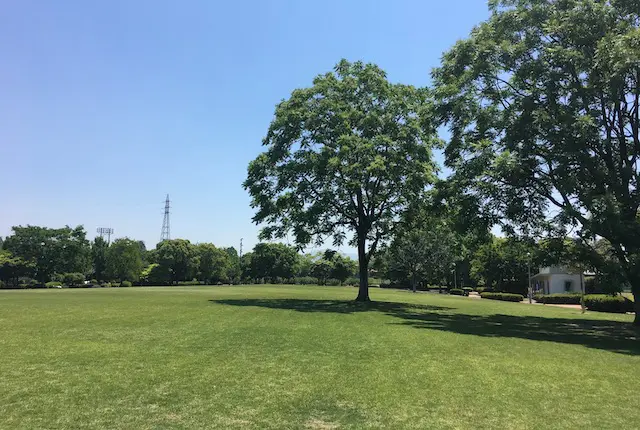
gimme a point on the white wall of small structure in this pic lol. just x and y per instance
(557, 283)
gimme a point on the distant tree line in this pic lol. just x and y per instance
(40, 256)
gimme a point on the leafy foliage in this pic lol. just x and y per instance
(273, 260)
(124, 260)
(178, 258)
(542, 104)
(62, 250)
(215, 263)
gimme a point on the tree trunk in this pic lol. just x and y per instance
(634, 278)
(363, 264)
(413, 283)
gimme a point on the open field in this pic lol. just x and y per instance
(305, 357)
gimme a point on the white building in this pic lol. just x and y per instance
(556, 279)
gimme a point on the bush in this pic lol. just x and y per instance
(125, 284)
(604, 303)
(456, 292)
(73, 279)
(506, 297)
(558, 299)
(306, 280)
(514, 287)
(333, 282)
(106, 285)
(192, 282)
(467, 290)
(52, 284)
(352, 281)
(93, 282)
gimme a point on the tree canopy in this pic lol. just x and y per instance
(542, 101)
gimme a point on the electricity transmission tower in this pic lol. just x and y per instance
(166, 229)
(105, 230)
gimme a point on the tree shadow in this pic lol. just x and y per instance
(607, 335)
(331, 306)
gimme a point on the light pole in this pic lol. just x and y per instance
(529, 276)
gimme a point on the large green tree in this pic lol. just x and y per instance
(61, 250)
(179, 258)
(273, 260)
(124, 260)
(344, 157)
(504, 263)
(425, 254)
(214, 263)
(12, 268)
(234, 271)
(99, 249)
(542, 101)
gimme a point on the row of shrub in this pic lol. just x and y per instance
(464, 291)
(506, 297)
(606, 303)
(558, 299)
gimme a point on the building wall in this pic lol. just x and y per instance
(557, 283)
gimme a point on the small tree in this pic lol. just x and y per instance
(322, 269)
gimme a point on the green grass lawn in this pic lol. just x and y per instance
(306, 357)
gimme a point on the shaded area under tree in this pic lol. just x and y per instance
(607, 335)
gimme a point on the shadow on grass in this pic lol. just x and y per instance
(600, 334)
(335, 306)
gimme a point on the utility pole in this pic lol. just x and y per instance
(529, 277)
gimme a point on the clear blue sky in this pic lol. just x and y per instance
(107, 106)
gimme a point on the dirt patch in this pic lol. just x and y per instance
(566, 306)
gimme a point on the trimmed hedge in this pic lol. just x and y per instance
(605, 303)
(306, 280)
(125, 284)
(456, 292)
(558, 299)
(189, 283)
(53, 284)
(506, 297)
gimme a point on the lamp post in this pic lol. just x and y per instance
(529, 277)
